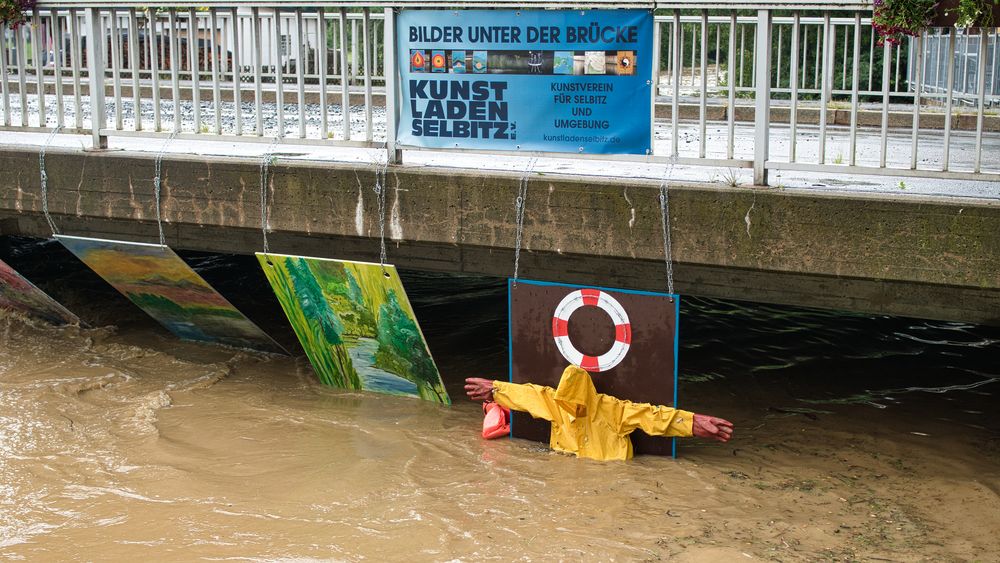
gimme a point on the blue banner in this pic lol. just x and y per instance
(537, 80)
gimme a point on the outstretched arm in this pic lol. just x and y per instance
(665, 421)
(535, 400)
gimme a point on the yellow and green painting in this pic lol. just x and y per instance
(160, 283)
(355, 324)
(21, 296)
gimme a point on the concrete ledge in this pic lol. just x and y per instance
(934, 258)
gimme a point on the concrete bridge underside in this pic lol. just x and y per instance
(934, 258)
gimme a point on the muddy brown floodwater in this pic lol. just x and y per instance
(858, 438)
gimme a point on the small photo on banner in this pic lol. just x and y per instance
(356, 325)
(19, 295)
(160, 283)
(626, 339)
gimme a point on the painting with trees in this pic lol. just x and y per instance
(355, 324)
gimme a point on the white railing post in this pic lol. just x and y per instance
(762, 97)
(95, 66)
(395, 155)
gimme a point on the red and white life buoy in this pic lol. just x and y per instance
(608, 304)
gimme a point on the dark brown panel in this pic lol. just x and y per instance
(645, 374)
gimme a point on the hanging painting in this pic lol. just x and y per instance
(21, 296)
(160, 283)
(355, 324)
(627, 340)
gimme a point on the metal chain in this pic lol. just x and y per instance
(44, 177)
(157, 181)
(265, 164)
(381, 172)
(665, 221)
(519, 205)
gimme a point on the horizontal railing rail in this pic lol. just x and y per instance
(772, 86)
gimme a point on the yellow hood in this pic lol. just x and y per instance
(576, 393)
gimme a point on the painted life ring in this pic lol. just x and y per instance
(608, 304)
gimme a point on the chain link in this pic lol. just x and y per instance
(157, 181)
(519, 205)
(665, 221)
(265, 164)
(44, 177)
(381, 171)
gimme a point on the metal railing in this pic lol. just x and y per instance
(784, 86)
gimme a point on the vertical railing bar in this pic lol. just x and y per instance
(718, 52)
(38, 42)
(762, 97)
(213, 31)
(96, 64)
(827, 78)
(965, 61)
(855, 85)
(22, 78)
(794, 85)
(192, 28)
(680, 74)
(133, 57)
(949, 97)
(654, 85)
(323, 54)
(820, 48)
(175, 62)
(279, 77)
(731, 113)
(674, 104)
(257, 66)
(237, 71)
(703, 100)
(694, 51)
(155, 46)
(937, 66)
(981, 90)
(4, 80)
(116, 63)
(753, 59)
(918, 78)
(368, 53)
(871, 56)
(57, 52)
(74, 37)
(777, 78)
(899, 55)
(886, 69)
(300, 72)
(345, 94)
(743, 34)
(354, 50)
(393, 155)
(843, 78)
(805, 55)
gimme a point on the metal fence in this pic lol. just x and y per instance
(743, 88)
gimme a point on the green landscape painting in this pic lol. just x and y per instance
(355, 324)
(21, 296)
(160, 283)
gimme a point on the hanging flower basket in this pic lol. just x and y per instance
(967, 13)
(12, 12)
(896, 19)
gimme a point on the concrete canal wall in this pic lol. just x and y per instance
(876, 253)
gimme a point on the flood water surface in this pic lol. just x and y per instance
(857, 437)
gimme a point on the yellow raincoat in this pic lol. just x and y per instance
(588, 423)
